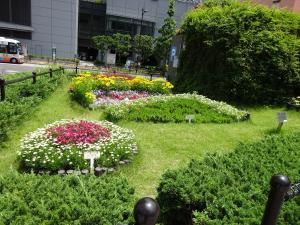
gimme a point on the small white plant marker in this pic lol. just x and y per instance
(282, 118)
(190, 118)
(91, 156)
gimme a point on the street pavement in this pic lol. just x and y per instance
(8, 68)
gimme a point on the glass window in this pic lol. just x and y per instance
(3, 48)
(4, 11)
(16, 11)
(12, 48)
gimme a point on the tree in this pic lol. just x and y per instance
(122, 44)
(143, 45)
(167, 31)
(102, 43)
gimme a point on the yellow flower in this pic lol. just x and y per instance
(90, 97)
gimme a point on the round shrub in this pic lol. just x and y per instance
(241, 52)
(52, 200)
(61, 145)
(233, 188)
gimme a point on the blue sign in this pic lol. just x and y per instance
(173, 51)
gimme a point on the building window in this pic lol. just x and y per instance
(16, 11)
(15, 34)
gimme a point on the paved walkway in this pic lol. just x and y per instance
(8, 68)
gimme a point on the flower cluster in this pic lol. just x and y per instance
(78, 132)
(115, 97)
(61, 145)
(121, 111)
(296, 101)
(83, 85)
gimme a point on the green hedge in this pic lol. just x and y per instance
(233, 188)
(240, 52)
(175, 108)
(22, 97)
(54, 200)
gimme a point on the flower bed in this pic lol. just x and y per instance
(115, 97)
(175, 108)
(294, 103)
(61, 145)
(85, 86)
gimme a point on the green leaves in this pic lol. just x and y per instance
(175, 108)
(102, 42)
(240, 52)
(233, 188)
(143, 45)
(167, 31)
(32, 199)
(122, 43)
(21, 98)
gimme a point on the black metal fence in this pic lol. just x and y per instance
(281, 190)
(149, 72)
(147, 210)
(33, 76)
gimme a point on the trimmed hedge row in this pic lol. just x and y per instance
(231, 189)
(21, 98)
(53, 200)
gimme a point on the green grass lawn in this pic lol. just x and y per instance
(161, 146)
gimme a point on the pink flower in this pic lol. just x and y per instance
(79, 132)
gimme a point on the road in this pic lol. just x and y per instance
(8, 68)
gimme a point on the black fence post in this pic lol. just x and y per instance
(33, 77)
(280, 185)
(2, 89)
(146, 211)
(50, 72)
(76, 69)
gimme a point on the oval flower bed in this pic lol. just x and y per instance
(61, 145)
(176, 108)
(105, 89)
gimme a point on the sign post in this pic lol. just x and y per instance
(91, 156)
(282, 118)
(53, 53)
(189, 118)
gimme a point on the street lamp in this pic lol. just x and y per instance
(143, 12)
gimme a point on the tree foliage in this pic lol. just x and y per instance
(167, 31)
(240, 52)
(102, 42)
(122, 44)
(143, 45)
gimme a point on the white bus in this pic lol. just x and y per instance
(11, 51)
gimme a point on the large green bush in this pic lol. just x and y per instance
(31, 199)
(233, 188)
(240, 52)
(21, 98)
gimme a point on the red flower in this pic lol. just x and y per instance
(79, 132)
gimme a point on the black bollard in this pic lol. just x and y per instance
(146, 211)
(280, 185)
(2, 89)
